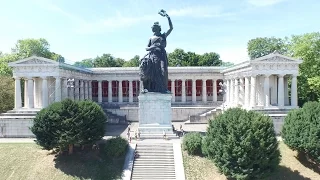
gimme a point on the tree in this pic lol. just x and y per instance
(134, 62)
(5, 70)
(29, 47)
(107, 60)
(119, 62)
(210, 59)
(242, 144)
(178, 58)
(227, 64)
(63, 124)
(259, 47)
(306, 47)
(6, 93)
(85, 63)
(301, 130)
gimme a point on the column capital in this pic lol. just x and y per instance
(294, 75)
(267, 75)
(44, 77)
(281, 75)
(16, 77)
(29, 77)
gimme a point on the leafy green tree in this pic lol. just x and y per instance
(86, 63)
(116, 147)
(259, 47)
(5, 70)
(210, 59)
(178, 58)
(301, 130)
(106, 60)
(242, 144)
(29, 47)
(63, 124)
(306, 47)
(6, 93)
(134, 62)
(119, 62)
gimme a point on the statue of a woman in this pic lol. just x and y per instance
(154, 66)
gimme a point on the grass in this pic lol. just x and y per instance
(291, 167)
(29, 162)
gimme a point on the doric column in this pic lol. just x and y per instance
(231, 97)
(17, 93)
(57, 91)
(65, 88)
(26, 102)
(71, 90)
(86, 90)
(266, 96)
(183, 90)
(253, 91)
(241, 91)
(76, 90)
(130, 92)
(286, 91)
(214, 90)
(30, 93)
(204, 90)
(81, 90)
(227, 91)
(236, 92)
(45, 92)
(90, 90)
(294, 96)
(100, 91)
(194, 91)
(109, 91)
(120, 92)
(246, 92)
(173, 90)
(280, 90)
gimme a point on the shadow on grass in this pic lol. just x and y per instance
(285, 173)
(308, 162)
(90, 165)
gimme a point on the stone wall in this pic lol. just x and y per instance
(16, 128)
(178, 113)
(278, 121)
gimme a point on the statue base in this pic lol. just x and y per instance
(155, 113)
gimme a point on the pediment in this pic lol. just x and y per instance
(34, 60)
(276, 58)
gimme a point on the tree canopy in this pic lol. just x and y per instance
(25, 48)
(259, 47)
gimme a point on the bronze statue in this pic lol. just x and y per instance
(154, 65)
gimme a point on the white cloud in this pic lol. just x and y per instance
(262, 3)
(199, 11)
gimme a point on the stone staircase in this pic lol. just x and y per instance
(113, 118)
(155, 161)
(205, 117)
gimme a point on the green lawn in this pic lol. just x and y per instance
(29, 162)
(200, 168)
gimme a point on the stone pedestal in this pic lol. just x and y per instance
(155, 113)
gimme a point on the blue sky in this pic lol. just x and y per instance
(79, 29)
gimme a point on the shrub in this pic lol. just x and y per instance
(6, 93)
(204, 146)
(301, 130)
(243, 144)
(63, 124)
(116, 147)
(192, 143)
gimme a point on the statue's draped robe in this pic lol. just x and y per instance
(154, 66)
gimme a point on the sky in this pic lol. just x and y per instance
(80, 29)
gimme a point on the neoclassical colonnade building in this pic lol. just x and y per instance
(260, 84)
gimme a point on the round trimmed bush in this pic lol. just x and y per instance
(65, 123)
(301, 130)
(192, 143)
(116, 147)
(243, 144)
